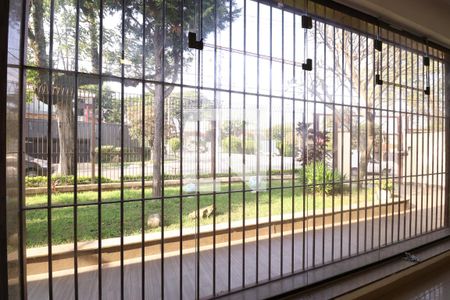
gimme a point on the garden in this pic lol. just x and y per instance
(315, 187)
(325, 191)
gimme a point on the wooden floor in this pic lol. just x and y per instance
(348, 240)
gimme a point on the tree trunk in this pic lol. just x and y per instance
(65, 116)
(158, 104)
(158, 107)
(93, 140)
(364, 153)
(158, 113)
(213, 145)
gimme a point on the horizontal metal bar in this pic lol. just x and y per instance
(240, 92)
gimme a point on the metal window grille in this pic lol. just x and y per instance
(285, 139)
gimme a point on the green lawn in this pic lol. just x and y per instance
(62, 218)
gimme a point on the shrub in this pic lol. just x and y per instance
(250, 146)
(279, 131)
(236, 144)
(322, 178)
(387, 185)
(35, 181)
(314, 143)
(109, 153)
(41, 181)
(174, 144)
(112, 154)
(148, 177)
(288, 149)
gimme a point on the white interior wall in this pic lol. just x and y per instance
(430, 18)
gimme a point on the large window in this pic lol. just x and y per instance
(157, 170)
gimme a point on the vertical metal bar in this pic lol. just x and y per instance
(22, 94)
(304, 155)
(386, 177)
(270, 150)
(243, 144)
(439, 161)
(399, 129)
(4, 269)
(230, 19)
(431, 115)
(334, 142)
(144, 32)
(358, 144)
(293, 148)
(394, 149)
(215, 148)
(163, 88)
(440, 167)
(417, 143)
(440, 145)
(444, 127)
(282, 145)
(423, 149)
(342, 141)
(379, 71)
(410, 149)
(197, 253)
(324, 137)
(351, 139)
(181, 147)
(405, 151)
(435, 170)
(366, 115)
(426, 83)
(75, 153)
(441, 115)
(122, 144)
(446, 102)
(99, 192)
(258, 142)
(414, 77)
(373, 133)
(49, 153)
(372, 115)
(4, 284)
(441, 121)
(409, 128)
(314, 146)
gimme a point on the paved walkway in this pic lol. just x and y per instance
(348, 240)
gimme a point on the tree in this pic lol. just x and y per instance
(166, 47)
(172, 122)
(168, 38)
(354, 70)
(62, 86)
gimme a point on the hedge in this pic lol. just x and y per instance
(41, 181)
(58, 180)
(236, 145)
